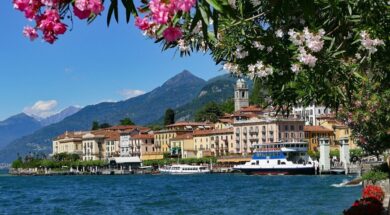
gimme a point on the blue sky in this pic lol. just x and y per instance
(88, 65)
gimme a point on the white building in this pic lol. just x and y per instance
(310, 113)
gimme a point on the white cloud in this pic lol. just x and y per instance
(128, 93)
(42, 109)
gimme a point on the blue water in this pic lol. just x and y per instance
(163, 194)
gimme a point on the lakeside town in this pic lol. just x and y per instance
(230, 140)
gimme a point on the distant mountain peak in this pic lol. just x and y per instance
(183, 77)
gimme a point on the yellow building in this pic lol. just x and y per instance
(142, 145)
(216, 142)
(69, 142)
(313, 133)
(340, 130)
(185, 145)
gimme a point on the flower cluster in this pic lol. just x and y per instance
(240, 53)
(49, 21)
(372, 191)
(370, 44)
(258, 45)
(307, 43)
(162, 13)
(232, 68)
(85, 8)
(259, 70)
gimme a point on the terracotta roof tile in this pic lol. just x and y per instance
(316, 128)
(211, 132)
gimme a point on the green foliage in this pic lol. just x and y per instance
(227, 106)
(373, 176)
(65, 157)
(257, 97)
(105, 125)
(169, 161)
(210, 113)
(358, 152)
(95, 125)
(334, 153)
(40, 163)
(169, 117)
(314, 154)
(126, 121)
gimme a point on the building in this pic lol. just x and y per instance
(340, 129)
(216, 142)
(241, 95)
(69, 142)
(93, 146)
(112, 144)
(314, 132)
(265, 129)
(310, 113)
(126, 132)
(163, 137)
(184, 144)
(142, 145)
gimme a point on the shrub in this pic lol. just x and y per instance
(365, 206)
(374, 175)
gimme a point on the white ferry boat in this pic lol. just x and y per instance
(282, 158)
(181, 169)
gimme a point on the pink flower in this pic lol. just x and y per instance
(142, 23)
(21, 4)
(59, 28)
(184, 5)
(49, 37)
(172, 34)
(95, 6)
(30, 33)
(81, 4)
(161, 17)
(81, 14)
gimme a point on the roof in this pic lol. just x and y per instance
(185, 123)
(316, 128)
(183, 137)
(126, 159)
(251, 108)
(126, 127)
(71, 135)
(226, 120)
(143, 136)
(211, 132)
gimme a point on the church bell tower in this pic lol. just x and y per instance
(241, 95)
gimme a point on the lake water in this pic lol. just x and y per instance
(163, 194)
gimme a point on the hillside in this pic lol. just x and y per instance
(218, 89)
(16, 127)
(143, 109)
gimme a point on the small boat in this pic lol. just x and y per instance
(181, 169)
(281, 158)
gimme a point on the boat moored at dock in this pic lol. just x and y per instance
(281, 158)
(181, 169)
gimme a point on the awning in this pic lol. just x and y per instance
(126, 160)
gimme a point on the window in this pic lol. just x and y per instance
(292, 128)
(286, 127)
(243, 94)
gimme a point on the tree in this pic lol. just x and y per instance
(210, 112)
(169, 117)
(105, 125)
(257, 96)
(304, 52)
(227, 106)
(95, 125)
(126, 121)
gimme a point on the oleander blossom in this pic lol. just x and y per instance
(295, 68)
(258, 45)
(370, 44)
(84, 8)
(142, 23)
(30, 33)
(259, 70)
(240, 53)
(51, 26)
(172, 34)
(232, 68)
(184, 5)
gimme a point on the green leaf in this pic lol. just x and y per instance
(215, 23)
(112, 9)
(216, 5)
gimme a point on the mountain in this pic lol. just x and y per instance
(16, 127)
(142, 110)
(218, 89)
(59, 116)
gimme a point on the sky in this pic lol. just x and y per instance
(88, 65)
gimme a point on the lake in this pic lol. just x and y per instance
(164, 194)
